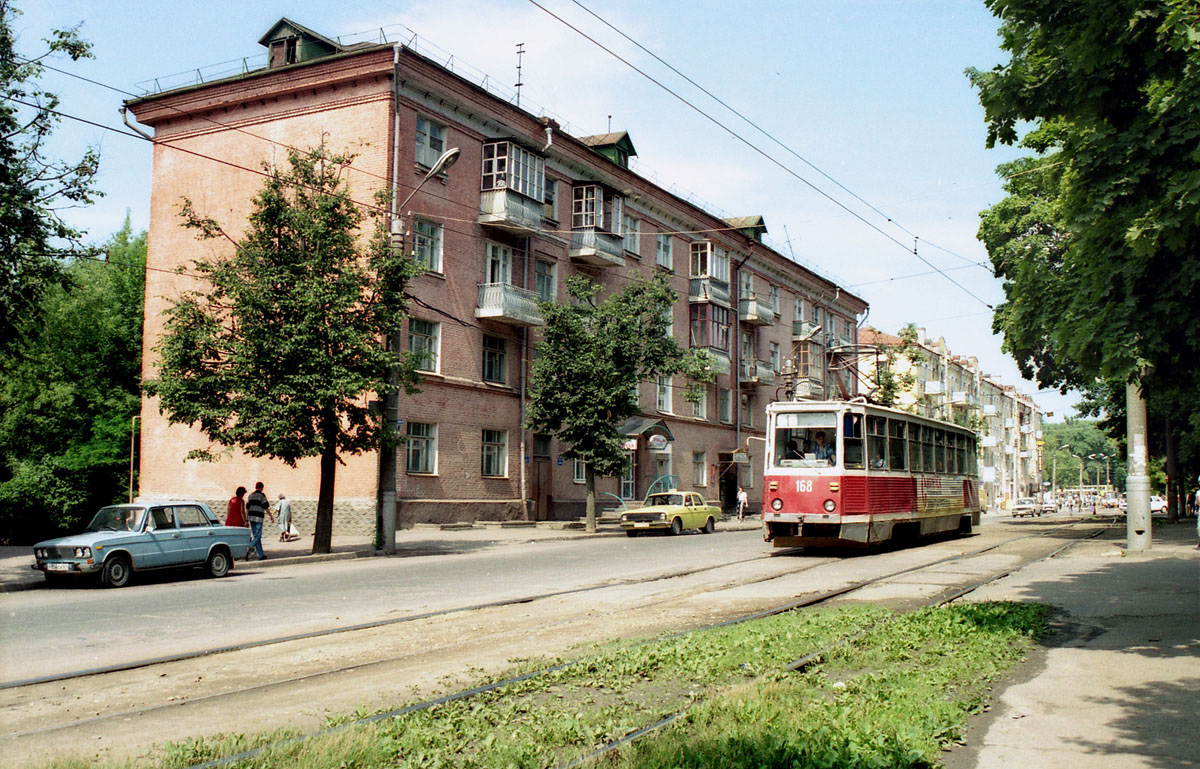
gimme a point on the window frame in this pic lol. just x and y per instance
(429, 131)
(422, 446)
(495, 358)
(434, 337)
(496, 451)
(433, 242)
(541, 278)
(664, 256)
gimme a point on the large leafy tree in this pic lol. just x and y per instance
(589, 361)
(67, 401)
(34, 187)
(277, 351)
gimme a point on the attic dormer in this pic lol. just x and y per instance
(753, 227)
(290, 43)
(617, 147)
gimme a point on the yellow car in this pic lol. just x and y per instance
(673, 511)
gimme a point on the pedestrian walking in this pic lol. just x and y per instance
(236, 515)
(257, 509)
(743, 501)
(283, 513)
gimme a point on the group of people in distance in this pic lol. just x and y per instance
(252, 511)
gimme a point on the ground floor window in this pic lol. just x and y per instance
(422, 448)
(495, 453)
(628, 478)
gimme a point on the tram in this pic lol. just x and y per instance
(845, 474)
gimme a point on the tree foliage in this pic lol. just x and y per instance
(67, 400)
(34, 187)
(588, 364)
(277, 351)
(891, 379)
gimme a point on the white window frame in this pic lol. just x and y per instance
(422, 446)
(773, 293)
(427, 244)
(662, 251)
(725, 405)
(773, 355)
(545, 283)
(498, 263)
(709, 261)
(550, 200)
(508, 166)
(632, 238)
(700, 408)
(587, 202)
(662, 394)
(578, 471)
(745, 284)
(430, 342)
(430, 141)
(699, 469)
(494, 450)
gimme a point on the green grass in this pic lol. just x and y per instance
(893, 698)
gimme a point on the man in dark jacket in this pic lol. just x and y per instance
(257, 509)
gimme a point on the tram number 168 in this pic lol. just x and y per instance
(803, 485)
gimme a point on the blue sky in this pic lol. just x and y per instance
(871, 93)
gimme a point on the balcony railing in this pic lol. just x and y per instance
(934, 387)
(756, 372)
(718, 360)
(989, 441)
(597, 248)
(990, 410)
(755, 311)
(510, 211)
(508, 304)
(708, 290)
(810, 388)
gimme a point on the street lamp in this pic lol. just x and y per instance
(1054, 472)
(386, 490)
(1106, 458)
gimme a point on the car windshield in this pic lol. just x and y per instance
(664, 499)
(1026, 501)
(118, 519)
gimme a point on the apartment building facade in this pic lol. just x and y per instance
(525, 206)
(954, 388)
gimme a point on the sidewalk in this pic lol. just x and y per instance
(1117, 684)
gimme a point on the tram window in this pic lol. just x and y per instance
(805, 440)
(951, 452)
(914, 448)
(927, 450)
(877, 441)
(852, 440)
(939, 450)
(972, 456)
(961, 453)
(896, 449)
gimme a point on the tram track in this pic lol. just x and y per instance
(816, 599)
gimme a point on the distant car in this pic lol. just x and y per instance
(122, 539)
(671, 511)
(1157, 505)
(1026, 506)
(1049, 507)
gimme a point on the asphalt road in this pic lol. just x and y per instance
(51, 631)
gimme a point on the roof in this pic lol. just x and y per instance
(645, 426)
(300, 30)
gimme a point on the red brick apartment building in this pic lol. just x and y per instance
(525, 206)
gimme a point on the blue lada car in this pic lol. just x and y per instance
(122, 539)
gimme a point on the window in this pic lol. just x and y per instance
(850, 331)
(663, 397)
(808, 360)
(669, 321)
(541, 445)
(725, 405)
(579, 471)
(745, 285)
(896, 448)
(508, 166)
(495, 454)
(799, 309)
(914, 448)
(773, 355)
(493, 359)
(543, 281)
(774, 294)
(749, 347)
(550, 200)
(747, 410)
(816, 316)
(628, 477)
(632, 242)
(584, 206)
(498, 268)
(662, 251)
(422, 448)
(699, 469)
(427, 246)
(710, 261)
(190, 516)
(423, 343)
(877, 439)
(431, 141)
(700, 407)
(709, 326)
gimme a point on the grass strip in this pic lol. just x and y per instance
(893, 698)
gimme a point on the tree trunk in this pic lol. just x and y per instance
(590, 505)
(323, 537)
(1173, 484)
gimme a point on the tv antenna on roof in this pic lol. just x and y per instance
(520, 54)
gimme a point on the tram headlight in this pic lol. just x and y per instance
(776, 504)
(830, 505)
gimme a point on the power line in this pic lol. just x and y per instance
(735, 135)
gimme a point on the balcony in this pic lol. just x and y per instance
(960, 398)
(991, 410)
(1010, 423)
(934, 387)
(809, 388)
(708, 290)
(989, 442)
(1010, 449)
(718, 360)
(755, 311)
(510, 211)
(508, 304)
(597, 248)
(756, 372)
(1026, 429)
(802, 330)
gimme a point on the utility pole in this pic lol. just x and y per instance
(1137, 484)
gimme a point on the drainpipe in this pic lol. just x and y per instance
(524, 382)
(736, 373)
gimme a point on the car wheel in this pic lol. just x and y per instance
(676, 526)
(630, 533)
(709, 526)
(218, 563)
(116, 572)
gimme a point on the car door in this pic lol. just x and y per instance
(160, 543)
(694, 518)
(196, 533)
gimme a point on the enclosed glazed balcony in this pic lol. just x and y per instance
(755, 311)
(508, 304)
(803, 330)
(597, 248)
(510, 211)
(756, 372)
(708, 290)
(809, 388)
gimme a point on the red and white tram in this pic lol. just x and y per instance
(843, 474)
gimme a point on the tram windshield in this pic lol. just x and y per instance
(807, 439)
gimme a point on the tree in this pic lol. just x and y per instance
(588, 364)
(34, 188)
(894, 377)
(67, 401)
(275, 354)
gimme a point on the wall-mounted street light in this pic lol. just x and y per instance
(386, 487)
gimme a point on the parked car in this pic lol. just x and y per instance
(671, 511)
(1026, 506)
(1158, 505)
(123, 539)
(1049, 506)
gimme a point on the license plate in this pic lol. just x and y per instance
(641, 525)
(58, 567)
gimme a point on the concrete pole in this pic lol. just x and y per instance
(1137, 485)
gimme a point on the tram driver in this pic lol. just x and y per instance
(822, 450)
